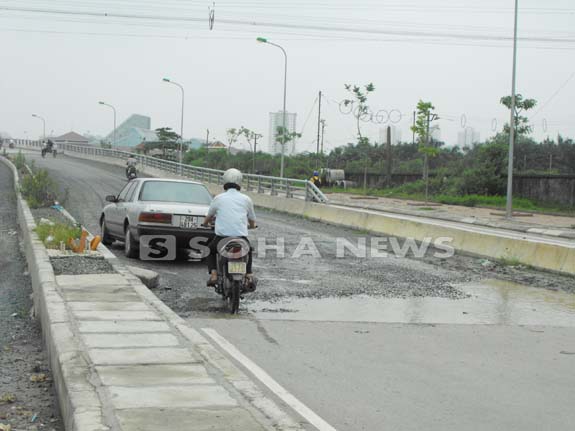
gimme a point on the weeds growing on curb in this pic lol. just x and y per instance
(19, 161)
(52, 234)
(510, 261)
(38, 190)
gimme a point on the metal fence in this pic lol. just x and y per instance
(274, 186)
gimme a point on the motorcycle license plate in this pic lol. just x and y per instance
(190, 222)
(236, 267)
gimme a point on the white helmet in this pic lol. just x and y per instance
(232, 176)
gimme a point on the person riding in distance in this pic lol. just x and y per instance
(233, 212)
(315, 179)
(131, 161)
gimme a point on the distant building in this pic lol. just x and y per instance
(468, 137)
(71, 138)
(395, 135)
(276, 120)
(435, 133)
(133, 131)
(217, 145)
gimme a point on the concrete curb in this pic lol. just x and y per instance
(78, 398)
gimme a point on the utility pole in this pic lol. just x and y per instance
(509, 205)
(430, 117)
(207, 138)
(388, 157)
(256, 137)
(318, 132)
(322, 134)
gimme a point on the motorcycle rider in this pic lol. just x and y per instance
(131, 162)
(315, 179)
(233, 212)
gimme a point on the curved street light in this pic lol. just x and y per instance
(264, 40)
(114, 109)
(43, 125)
(169, 81)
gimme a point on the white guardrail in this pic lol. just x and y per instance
(274, 186)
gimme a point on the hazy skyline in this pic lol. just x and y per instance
(456, 54)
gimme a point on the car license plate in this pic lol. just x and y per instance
(236, 267)
(190, 222)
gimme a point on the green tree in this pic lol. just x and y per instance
(251, 138)
(232, 136)
(522, 126)
(284, 136)
(361, 112)
(425, 115)
(167, 135)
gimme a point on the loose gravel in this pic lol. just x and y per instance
(76, 265)
(27, 395)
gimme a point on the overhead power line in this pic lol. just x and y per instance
(548, 101)
(329, 28)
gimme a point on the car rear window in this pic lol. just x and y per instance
(168, 191)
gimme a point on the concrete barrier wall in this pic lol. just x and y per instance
(484, 242)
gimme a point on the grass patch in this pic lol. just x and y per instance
(509, 261)
(53, 234)
(496, 202)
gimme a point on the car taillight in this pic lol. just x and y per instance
(155, 218)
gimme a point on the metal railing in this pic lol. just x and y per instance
(274, 186)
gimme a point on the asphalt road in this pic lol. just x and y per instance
(370, 376)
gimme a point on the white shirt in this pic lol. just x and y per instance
(232, 210)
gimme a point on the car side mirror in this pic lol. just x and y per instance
(111, 198)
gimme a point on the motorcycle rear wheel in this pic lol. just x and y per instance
(234, 298)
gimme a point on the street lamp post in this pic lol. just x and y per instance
(114, 132)
(43, 125)
(283, 143)
(182, 119)
(509, 205)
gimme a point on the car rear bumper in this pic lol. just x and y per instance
(182, 237)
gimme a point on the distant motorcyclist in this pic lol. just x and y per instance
(233, 212)
(47, 147)
(315, 179)
(131, 163)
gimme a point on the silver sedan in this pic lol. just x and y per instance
(156, 207)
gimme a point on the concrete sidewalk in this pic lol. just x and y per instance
(148, 373)
(543, 224)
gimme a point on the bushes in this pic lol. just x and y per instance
(19, 161)
(38, 190)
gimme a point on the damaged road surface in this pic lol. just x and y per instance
(398, 343)
(27, 397)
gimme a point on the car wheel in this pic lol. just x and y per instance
(106, 238)
(131, 246)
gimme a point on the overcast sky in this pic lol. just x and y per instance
(454, 53)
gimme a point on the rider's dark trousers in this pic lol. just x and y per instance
(212, 258)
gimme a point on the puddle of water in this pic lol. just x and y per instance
(491, 302)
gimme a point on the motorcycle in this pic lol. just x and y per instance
(131, 173)
(232, 262)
